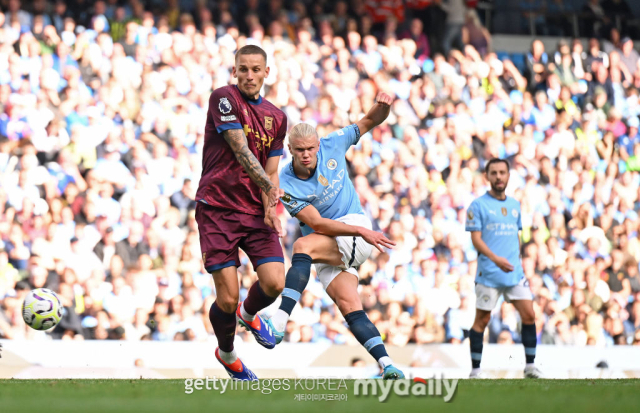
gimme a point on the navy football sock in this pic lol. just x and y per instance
(476, 339)
(257, 299)
(296, 281)
(366, 333)
(224, 326)
(529, 341)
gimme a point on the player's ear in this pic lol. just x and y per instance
(233, 71)
(266, 72)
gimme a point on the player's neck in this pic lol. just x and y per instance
(250, 97)
(303, 172)
(500, 196)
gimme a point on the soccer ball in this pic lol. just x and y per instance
(41, 309)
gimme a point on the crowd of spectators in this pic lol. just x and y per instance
(103, 106)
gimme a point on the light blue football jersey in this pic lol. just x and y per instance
(329, 189)
(499, 222)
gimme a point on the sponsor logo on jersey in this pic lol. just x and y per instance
(224, 106)
(268, 122)
(332, 164)
(323, 180)
(504, 211)
(228, 118)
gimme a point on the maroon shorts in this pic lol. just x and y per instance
(223, 231)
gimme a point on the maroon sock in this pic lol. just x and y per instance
(224, 326)
(257, 299)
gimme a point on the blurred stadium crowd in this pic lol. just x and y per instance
(103, 109)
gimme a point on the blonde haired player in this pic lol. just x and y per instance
(337, 235)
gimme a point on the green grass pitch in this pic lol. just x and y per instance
(543, 396)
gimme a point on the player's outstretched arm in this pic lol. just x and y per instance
(482, 248)
(310, 216)
(238, 143)
(377, 114)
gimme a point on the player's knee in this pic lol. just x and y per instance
(302, 246)
(228, 303)
(482, 321)
(528, 317)
(348, 305)
(486, 319)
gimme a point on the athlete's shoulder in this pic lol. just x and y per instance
(224, 98)
(266, 105)
(513, 201)
(285, 171)
(481, 200)
(287, 177)
(228, 90)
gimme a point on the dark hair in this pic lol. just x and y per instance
(251, 49)
(495, 161)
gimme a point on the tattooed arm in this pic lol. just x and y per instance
(238, 143)
(270, 215)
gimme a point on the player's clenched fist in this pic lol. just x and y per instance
(384, 99)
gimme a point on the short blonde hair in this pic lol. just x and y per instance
(302, 130)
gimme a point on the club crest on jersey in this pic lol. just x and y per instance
(286, 198)
(504, 211)
(470, 214)
(224, 106)
(268, 122)
(332, 164)
(323, 180)
(514, 213)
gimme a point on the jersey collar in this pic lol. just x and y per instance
(251, 101)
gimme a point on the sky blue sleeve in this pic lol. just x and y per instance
(519, 216)
(291, 202)
(474, 217)
(345, 137)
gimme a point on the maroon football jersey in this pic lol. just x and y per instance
(224, 182)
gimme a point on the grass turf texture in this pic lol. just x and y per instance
(544, 396)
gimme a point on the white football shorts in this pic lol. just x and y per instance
(354, 250)
(487, 297)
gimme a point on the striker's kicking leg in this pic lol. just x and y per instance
(312, 247)
(343, 290)
(262, 294)
(295, 283)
